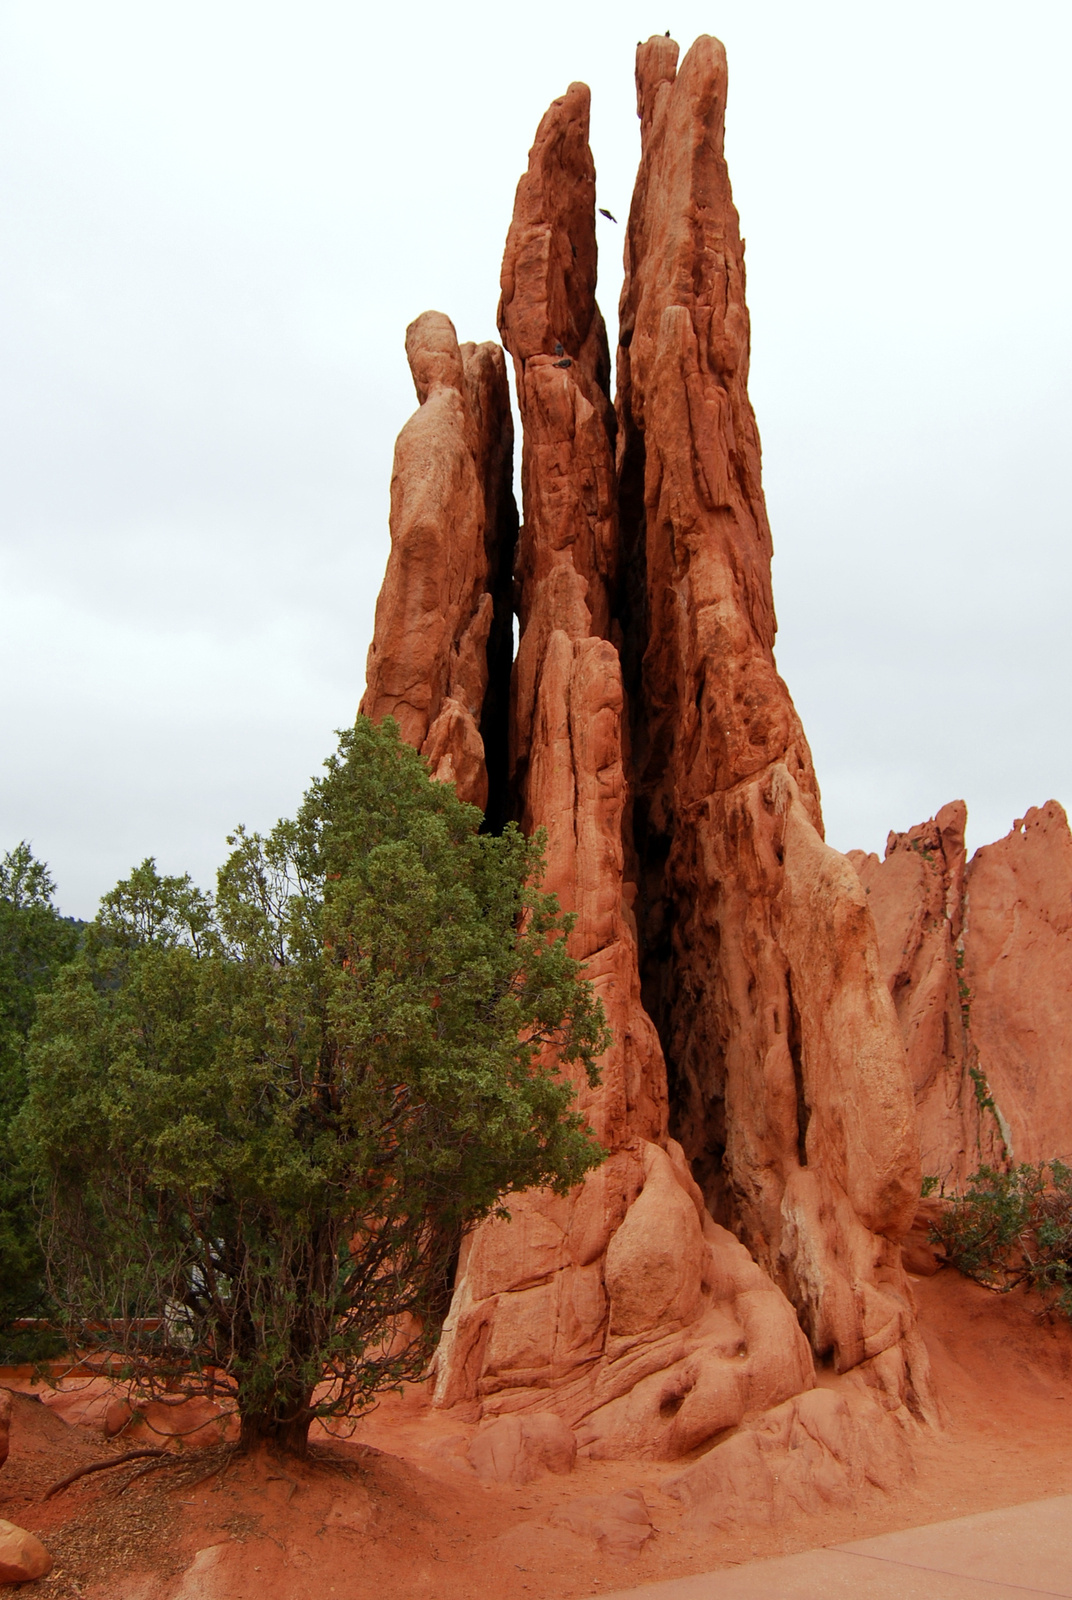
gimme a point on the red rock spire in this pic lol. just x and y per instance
(442, 620)
(792, 1094)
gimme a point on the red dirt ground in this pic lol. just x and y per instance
(391, 1513)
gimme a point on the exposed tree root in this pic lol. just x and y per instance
(102, 1466)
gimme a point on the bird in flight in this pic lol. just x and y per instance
(605, 213)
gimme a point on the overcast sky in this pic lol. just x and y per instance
(216, 221)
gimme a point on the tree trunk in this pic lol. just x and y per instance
(287, 1435)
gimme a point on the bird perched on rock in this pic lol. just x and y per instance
(605, 213)
(560, 348)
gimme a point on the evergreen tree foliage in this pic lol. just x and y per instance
(35, 942)
(265, 1121)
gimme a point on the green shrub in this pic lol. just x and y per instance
(1013, 1229)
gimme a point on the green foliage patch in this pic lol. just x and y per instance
(35, 942)
(1014, 1229)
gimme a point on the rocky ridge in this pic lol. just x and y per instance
(978, 958)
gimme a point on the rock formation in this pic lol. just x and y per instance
(651, 737)
(760, 956)
(649, 1334)
(439, 662)
(566, 753)
(917, 899)
(978, 958)
(813, 1451)
(22, 1555)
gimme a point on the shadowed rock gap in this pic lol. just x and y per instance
(793, 1040)
(501, 545)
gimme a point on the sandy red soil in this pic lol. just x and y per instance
(393, 1513)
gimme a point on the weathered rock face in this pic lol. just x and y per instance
(978, 958)
(916, 897)
(443, 618)
(761, 965)
(650, 735)
(626, 1310)
(817, 1450)
(1018, 969)
(650, 1335)
(567, 711)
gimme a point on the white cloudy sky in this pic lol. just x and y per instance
(217, 218)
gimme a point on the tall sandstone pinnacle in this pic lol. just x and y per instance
(650, 736)
(567, 707)
(439, 662)
(788, 1069)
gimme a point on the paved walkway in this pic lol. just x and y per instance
(997, 1555)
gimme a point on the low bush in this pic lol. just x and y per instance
(1014, 1229)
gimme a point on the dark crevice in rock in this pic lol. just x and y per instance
(795, 1054)
(501, 544)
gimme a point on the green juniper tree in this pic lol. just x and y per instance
(264, 1123)
(35, 942)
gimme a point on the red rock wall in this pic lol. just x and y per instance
(916, 898)
(761, 962)
(1018, 970)
(978, 958)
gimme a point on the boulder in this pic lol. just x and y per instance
(619, 1523)
(118, 1414)
(818, 1450)
(517, 1449)
(22, 1555)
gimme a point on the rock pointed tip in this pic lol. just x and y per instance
(953, 817)
(656, 63)
(432, 353)
(572, 107)
(710, 48)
